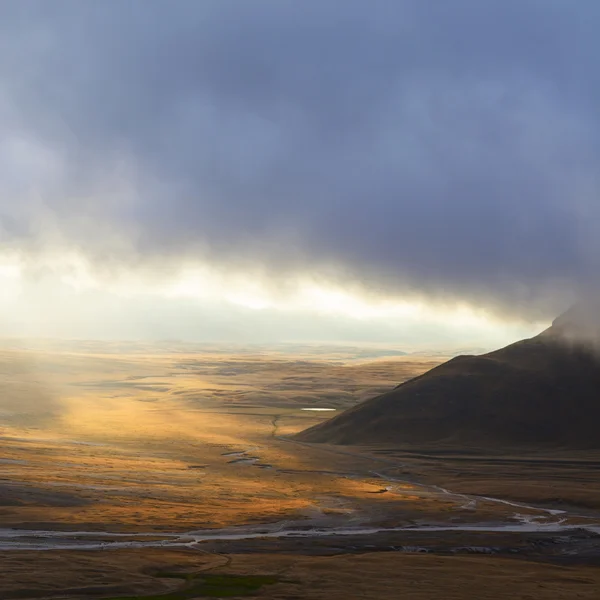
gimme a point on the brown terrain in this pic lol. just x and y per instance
(172, 471)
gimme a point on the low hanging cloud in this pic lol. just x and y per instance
(445, 149)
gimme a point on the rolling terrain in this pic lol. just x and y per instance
(171, 472)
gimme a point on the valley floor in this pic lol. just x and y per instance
(385, 576)
(119, 466)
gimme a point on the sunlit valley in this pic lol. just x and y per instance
(94, 435)
(299, 300)
(121, 461)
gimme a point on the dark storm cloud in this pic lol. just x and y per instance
(444, 148)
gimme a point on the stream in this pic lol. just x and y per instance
(526, 519)
(543, 521)
(22, 539)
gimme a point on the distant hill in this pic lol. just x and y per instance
(540, 391)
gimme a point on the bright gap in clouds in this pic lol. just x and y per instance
(62, 297)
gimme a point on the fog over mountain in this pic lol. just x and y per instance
(536, 393)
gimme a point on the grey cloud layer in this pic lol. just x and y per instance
(446, 148)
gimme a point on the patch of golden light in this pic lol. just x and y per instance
(154, 438)
(124, 418)
(303, 295)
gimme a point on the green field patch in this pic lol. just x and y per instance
(208, 585)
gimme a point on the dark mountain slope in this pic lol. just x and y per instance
(540, 391)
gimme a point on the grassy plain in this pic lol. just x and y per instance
(382, 576)
(169, 437)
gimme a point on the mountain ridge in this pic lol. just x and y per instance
(543, 390)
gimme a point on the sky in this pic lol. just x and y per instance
(398, 171)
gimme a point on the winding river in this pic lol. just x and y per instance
(543, 520)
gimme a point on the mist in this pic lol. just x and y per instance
(412, 151)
